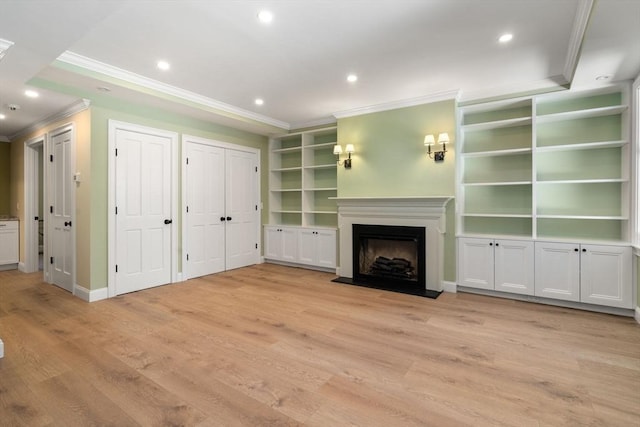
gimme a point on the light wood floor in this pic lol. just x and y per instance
(270, 345)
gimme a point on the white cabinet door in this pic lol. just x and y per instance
(326, 248)
(272, 242)
(557, 272)
(289, 244)
(307, 247)
(514, 266)
(605, 273)
(475, 263)
(9, 241)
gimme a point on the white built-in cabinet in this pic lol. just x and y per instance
(303, 215)
(310, 247)
(594, 274)
(552, 171)
(496, 264)
(9, 243)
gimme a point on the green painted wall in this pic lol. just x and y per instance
(5, 177)
(390, 159)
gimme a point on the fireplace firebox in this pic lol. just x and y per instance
(389, 257)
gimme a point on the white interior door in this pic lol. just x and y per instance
(205, 214)
(241, 206)
(143, 205)
(62, 203)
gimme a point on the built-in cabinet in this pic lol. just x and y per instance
(552, 171)
(9, 244)
(496, 264)
(312, 247)
(303, 215)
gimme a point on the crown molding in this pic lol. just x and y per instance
(4, 46)
(75, 108)
(145, 82)
(394, 105)
(551, 84)
(327, 121)
(580, 23)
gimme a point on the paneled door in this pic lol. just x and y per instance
(205, 213)
(241, 203)
(61, 209)
(143, 210)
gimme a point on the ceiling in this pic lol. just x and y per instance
(222, 57)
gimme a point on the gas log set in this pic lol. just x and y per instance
(397, 268)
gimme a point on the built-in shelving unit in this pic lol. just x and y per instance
(546, 167)
(303, 179)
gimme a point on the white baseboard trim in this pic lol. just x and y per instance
(179, 277)
(90, 296)
(8, 267)
(1, 349)
(22, 267)
(449, 286)
(637, 315)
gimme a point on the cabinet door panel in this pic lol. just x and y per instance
(475, 268)
(514, 266)
(289, 244)
(307, 249)
(272, 243)
(326, 242)
(557, 272)
(606, 276)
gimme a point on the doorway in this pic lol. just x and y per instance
(34, 197)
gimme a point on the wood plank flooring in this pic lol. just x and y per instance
(276, 346)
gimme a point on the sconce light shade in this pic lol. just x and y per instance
(337, 149)
(349, 149)
(429, 140)
(443, 138)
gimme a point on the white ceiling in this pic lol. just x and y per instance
(222, 58)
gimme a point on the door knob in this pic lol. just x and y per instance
(228, 218)
(222, 218)
(168, 221)
(67, 224)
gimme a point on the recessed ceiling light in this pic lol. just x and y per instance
(2, 117)
(352, 78)
(505, 38)
(163, 65)
(603, 77)
(265, 16)
(31, 93)
(259, 101)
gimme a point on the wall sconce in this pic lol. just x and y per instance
(429, 141)
(337, 150)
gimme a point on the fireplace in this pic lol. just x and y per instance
(392, 257)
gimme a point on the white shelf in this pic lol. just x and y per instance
(319, 146)
(317, 167)
(583, 181)
(582, 146)
(581, 114)
(598, 217)
(520, 121)
(286, 212)
(509, 152)
(322, 189)
(287, 150)
(489, 215)
(495, 184)
(297, 168)
(323, 212)
(286, 190)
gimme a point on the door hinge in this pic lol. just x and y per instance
(187, 209)
(116, 268)
(50, 209)
(116, 152)
(256, 169)
(187, 160)
(256, 246)
(51, 260)
(256, 207)
(116, 210)
(51, 158)
(187, 257)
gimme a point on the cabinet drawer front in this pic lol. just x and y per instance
(8, 225)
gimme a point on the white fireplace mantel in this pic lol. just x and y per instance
(428, 212)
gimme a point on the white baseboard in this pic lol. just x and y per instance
(90, 296)
(449, 286)
(22, 267)
(179, 277)
(637, 315)
(8, 267)
(1, 349)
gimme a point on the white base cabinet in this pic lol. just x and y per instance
(593, 274)
(496, 264)
(315, 247)
(9, 242)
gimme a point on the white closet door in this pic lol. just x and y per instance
(206, 217)
(62, 202)
(241, 208)
(143, 200)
